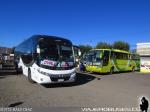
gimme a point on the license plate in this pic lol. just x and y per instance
(60, 80)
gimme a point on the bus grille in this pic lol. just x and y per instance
(59, 77)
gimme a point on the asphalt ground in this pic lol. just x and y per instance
(119, 90)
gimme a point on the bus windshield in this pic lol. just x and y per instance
(58, 54)
(49, 51)
(94, 56)
(66, 53)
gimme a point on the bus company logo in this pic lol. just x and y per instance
(48, 62)
(65, 64)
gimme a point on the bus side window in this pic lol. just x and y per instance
(27, 53)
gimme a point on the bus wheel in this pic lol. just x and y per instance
(133, 69)
(111, 71)
(29, 76)
(18, 70)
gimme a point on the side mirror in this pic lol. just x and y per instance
(79, 53)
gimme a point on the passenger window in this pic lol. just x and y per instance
(27, 55)
(98, 53)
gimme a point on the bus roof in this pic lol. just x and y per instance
(36, 37)
(115, 50)
(49, 36)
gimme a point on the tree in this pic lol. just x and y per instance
(121, 45)
(103, 45)
(85, 48)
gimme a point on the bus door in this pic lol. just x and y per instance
(106, 55)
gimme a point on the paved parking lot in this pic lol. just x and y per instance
(90, 90)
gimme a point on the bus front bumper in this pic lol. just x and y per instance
(94, 69)
(62, 78)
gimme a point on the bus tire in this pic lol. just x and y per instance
(111, 71)
(19, 71)
(133, 69)
(29, 77)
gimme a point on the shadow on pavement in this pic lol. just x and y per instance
(81, 79)
(15, 104)
(1, 77)
(103, 74)
(7, 72)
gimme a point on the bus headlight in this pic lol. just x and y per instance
(73, 76)
(48, 74)
(44, 73)
(73, 73)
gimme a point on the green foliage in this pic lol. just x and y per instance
(103, 45)
(121, 45)
(85, 48)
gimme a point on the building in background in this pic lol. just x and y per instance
(143, 49)
(5, 54)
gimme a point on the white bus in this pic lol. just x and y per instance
(46, 59)
(77, 54)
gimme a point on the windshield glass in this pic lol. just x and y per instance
(66, 53)
(94, 56)
(49, 50)
(55, 54)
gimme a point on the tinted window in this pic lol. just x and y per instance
(135, 56)
(106, 58)
(25, 50)
(49, 50)
(98, 56)
(66, 53)
(122, 56)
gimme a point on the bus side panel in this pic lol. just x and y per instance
(24, 68)
(106, 69)
(121, 61)
(137, 64)
(121, 65)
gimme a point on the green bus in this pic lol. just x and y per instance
(136, 58)
(110, 60)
